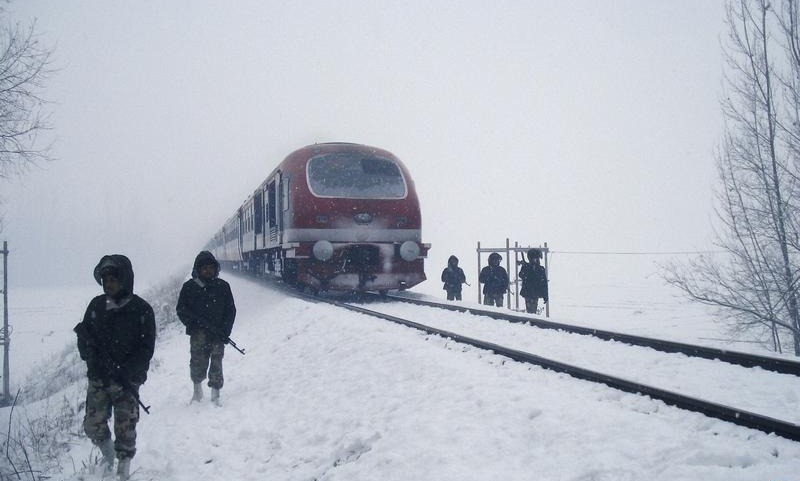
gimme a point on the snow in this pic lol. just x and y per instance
(328, 394)
(768, 393)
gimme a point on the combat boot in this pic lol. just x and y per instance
(198, 392)
(107, 450)
(124, 469)
(215, 397)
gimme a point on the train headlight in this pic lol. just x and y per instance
(322, 250)
(409, 250)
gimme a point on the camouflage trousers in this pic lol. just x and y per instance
(206, 360)
(100, 400)
(454, 295)
(532, 304)
(493, 299)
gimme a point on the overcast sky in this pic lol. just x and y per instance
(585, 124)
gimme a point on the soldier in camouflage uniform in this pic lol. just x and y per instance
(206, 308)
(495, 281)
(116, 338)
(453, 276)
(534, 281)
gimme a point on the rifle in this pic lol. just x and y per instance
(228, 340)
(225, 339)
(111, 366)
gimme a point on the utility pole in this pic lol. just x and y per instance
(6, 331)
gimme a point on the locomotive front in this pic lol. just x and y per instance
(355, 221)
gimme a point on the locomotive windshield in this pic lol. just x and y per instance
(355, 176)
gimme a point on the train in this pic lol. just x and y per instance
(330, 217)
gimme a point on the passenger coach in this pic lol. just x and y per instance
(333, 216)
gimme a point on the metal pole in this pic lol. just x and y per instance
(6, 332)
(516, 278)
(479, 272)
(547, 272)
(508, 271)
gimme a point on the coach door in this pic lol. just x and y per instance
(240, 235)
(272, 217)
(258, 219)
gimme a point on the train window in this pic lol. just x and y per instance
(355, 176)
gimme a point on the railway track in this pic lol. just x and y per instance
(716, 410)
(783, 366)
(719, 411)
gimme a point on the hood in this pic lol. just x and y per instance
(452, 261)
(123, 271)
(203, 258)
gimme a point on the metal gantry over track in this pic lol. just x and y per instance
(518, 253)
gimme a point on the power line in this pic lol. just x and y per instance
(648, 253)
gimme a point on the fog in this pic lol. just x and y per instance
(587, 125)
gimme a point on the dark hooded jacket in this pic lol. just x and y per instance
(453, 276)
(117, 335)
(534, 281)
(494, 277)
(207, 304)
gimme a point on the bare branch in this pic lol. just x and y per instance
(24, 67)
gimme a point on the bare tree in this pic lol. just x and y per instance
(24, 67)
(24, 63)
(755, 283)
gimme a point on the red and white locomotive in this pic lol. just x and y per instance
(333, 216)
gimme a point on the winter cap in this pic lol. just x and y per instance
(110, 270)
(495, 256)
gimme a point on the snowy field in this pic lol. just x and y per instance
(326, 394)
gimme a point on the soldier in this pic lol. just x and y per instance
(453, 276)
(534, 281)
(495, 281)
(206, 308)
(116, 338)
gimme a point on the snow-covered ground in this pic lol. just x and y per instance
(754, 390)
(327, 394)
